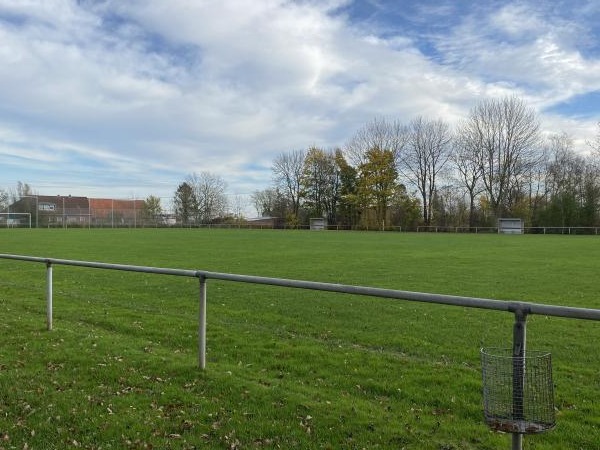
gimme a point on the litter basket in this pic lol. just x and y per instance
(518, 394)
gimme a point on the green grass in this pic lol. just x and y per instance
(285, 368)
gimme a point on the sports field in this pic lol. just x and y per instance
(285, 368)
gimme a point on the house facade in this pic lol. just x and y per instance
(70, 211)
(53, 210)
(108, 212)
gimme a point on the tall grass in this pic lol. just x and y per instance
(286, 368)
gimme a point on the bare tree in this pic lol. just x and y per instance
(595, 144)
(287, 174)
(380, 134)
(572, 184)
(21, 190)
(209, 190)
(269, 202)
(593, 179)
(4, 200)
(595, 147)
(565, 168)
(424, 158)
(237, 205)
(449, 206)
(506, 132)
(466, 159)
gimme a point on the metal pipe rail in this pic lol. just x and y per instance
(515, 307)
(518, 308)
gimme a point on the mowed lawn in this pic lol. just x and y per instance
(286, 368)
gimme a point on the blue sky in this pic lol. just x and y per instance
(109, 98)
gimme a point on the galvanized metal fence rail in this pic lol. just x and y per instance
(520, 309)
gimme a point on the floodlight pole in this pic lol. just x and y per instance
(519, 344)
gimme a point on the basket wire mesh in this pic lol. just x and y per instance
(518, 393)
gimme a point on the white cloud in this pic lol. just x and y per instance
(525, 47)
(169, 88)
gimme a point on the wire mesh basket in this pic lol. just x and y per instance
(518, 394)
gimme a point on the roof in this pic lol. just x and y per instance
(263, 218)
(109, 203)
(73, 204)
(68, 202)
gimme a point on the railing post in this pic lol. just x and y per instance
(519, 344)
(202, 325)
(49, 296)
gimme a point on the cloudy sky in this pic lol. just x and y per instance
(113, 98)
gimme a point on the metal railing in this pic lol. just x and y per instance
(520, 309)
(516, 307)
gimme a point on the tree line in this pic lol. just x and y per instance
(494, 163)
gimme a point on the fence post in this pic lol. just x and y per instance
(49, 296)
(519, 344)
(202, 324)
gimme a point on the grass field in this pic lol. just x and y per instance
(285, 368)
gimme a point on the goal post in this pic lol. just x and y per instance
(15, 220)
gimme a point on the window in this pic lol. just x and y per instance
(47, 207)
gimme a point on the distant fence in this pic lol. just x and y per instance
(562, 230)
(440, 229)
(527, 230)
(419, 229)
(137, 220)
